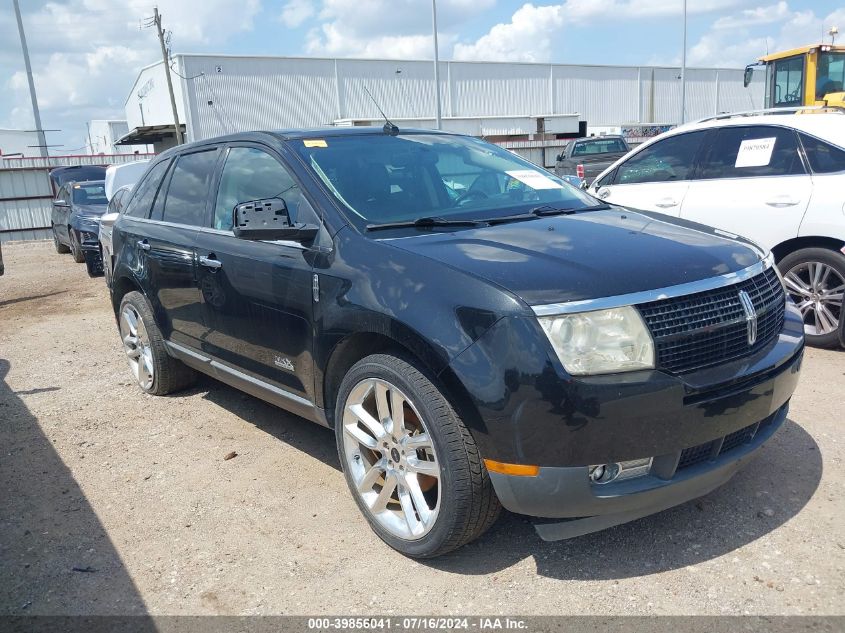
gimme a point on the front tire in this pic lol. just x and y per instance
(155, 371)
(410, 463)
(75, 247)
(815, 280)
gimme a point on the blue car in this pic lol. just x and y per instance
(76, 222)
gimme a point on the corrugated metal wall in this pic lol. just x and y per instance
(26, 195)
(24, 212)
(228, 94)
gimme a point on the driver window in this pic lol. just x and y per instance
(252, 174)
(789, 82)
(669, 160)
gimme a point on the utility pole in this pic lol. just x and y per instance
(438, 112)
(157, 22)
(684, 70)
(90, 144)
(42, 140)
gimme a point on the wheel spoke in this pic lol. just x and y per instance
(373, 425)
(420, 503)
(415, 442)
(408, 511)
(381, 403)
(816, 271)
(131, 321)
(397, 413)
(417, 465)
(360, 436)
(143, 373)
(371, 476)
(826, 318)
(383, 498)
(794, 284)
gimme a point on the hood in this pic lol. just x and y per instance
(585, 256)
(89, 210)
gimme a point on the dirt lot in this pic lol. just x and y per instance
(113, 502)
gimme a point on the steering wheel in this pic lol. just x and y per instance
(468, 196)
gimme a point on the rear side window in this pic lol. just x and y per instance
(668, 160)
(752, 152)
(187, 194)
(824, 158)
(252, 174)
(140, 203)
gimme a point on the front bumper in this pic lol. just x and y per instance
(530, 412)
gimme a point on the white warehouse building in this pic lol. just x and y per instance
(524, 106)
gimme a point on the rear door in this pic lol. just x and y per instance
(752, 182)
(257, 296)
(657, 177)
(181, 208)
(61, 214)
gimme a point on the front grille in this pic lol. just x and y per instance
(695, 455)
(708, 328)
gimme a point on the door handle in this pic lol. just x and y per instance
(144, 245)
(782, 201)
(210, 262)
(666, 203)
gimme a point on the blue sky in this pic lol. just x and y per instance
(86, 53)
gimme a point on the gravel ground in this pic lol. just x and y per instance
(114, 502)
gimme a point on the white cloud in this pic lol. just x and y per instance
(296, 12)
(527, 37)
(754, 17)
(734, 41)
(388, 28)
(532, 30)
(86, 53)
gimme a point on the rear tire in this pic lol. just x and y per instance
(60, 248)
(815, 280)
(155, 371)
(424, 515)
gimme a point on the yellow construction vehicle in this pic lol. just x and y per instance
(806, 76)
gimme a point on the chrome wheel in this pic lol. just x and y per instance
(136, 344)
(390, 456)
(816, 288)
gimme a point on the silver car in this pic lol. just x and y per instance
(116, 204)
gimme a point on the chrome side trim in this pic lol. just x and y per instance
(634, 298)
(265, 386)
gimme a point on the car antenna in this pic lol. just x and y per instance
(389, 128)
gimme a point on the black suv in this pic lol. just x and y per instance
(478, 332)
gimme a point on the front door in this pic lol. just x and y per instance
(657, 177)
(257, 296)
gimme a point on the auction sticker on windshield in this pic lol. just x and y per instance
(755, 152)
(534, 179)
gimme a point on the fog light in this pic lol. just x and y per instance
(603, 473)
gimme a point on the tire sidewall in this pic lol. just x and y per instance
(139, 302)
(449, 510)
(830, 258)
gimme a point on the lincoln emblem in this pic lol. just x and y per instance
(750, 316)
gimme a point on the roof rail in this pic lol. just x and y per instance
(773, 111)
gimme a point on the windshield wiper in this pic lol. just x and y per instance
(546, 211)
(423, 223)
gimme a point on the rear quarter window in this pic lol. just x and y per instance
(824, 158)
(145, 192)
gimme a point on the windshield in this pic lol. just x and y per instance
(382, 178)
(830, 75)
(90, 193)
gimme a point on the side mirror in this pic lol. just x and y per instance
(269, 219)
(749, 74)
(559, 157)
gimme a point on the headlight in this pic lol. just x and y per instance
(600, 342)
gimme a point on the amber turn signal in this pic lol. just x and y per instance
(521, 470)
